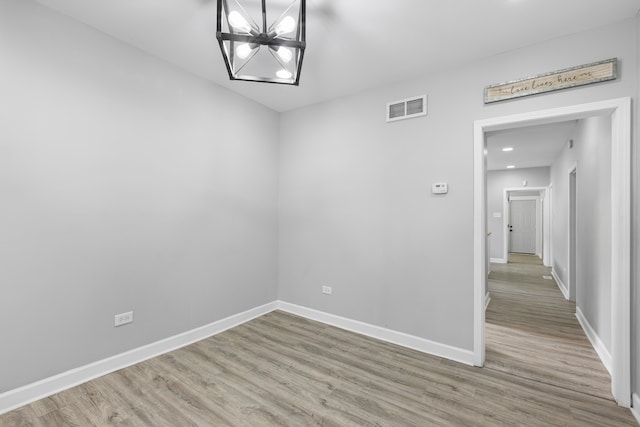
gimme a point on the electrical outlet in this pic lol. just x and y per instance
(123, 318)
(327, 290)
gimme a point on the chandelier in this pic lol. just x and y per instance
(258, 48)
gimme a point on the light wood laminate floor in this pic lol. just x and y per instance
(532, 330)
(283, 370)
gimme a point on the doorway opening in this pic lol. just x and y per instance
(620, 113)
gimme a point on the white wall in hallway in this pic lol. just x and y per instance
(592, 154)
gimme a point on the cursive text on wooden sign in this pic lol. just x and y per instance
(562, 79)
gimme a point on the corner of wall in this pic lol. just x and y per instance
(635, 409)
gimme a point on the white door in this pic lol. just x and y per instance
(522, 229)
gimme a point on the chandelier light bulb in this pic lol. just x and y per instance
(237, 21)
(287, 25)
(285, 54)
(243, 50)
(284, 74)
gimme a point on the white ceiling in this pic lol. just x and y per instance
(533, 146)
(352, 45)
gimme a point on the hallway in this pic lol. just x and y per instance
(532, 331)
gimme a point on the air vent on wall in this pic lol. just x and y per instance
(407, 108)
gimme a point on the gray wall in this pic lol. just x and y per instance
(497, 181)
(592, 155)
(126, 185)
(356, 211)
(560, 232)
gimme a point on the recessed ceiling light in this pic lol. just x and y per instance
(511, 167)
(507, 149)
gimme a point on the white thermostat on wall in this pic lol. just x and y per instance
(440, 188)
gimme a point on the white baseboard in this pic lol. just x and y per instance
(498, 260)
(487, 300)
(16, 398)
(596, 342)
(383, 334)
(635, 409)
(563, 288)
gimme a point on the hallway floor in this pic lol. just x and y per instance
(532, 331)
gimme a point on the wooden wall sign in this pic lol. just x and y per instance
(548, 82)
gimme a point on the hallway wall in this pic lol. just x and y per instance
(592, 154)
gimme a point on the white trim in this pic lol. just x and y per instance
(621, 253)
(539, 231)
(571, 284)
(524, 198)
(561, 285)
(479, 240)
(620, 110)
(547, 227)
(16, 398)
(635, 410)
(487, 300)
(394, 337)
(595, 340)
(499, 261)
(506, 220)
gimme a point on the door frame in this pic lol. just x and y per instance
(620, 111)
(572, 224)
(506, 217)
(547, 245)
